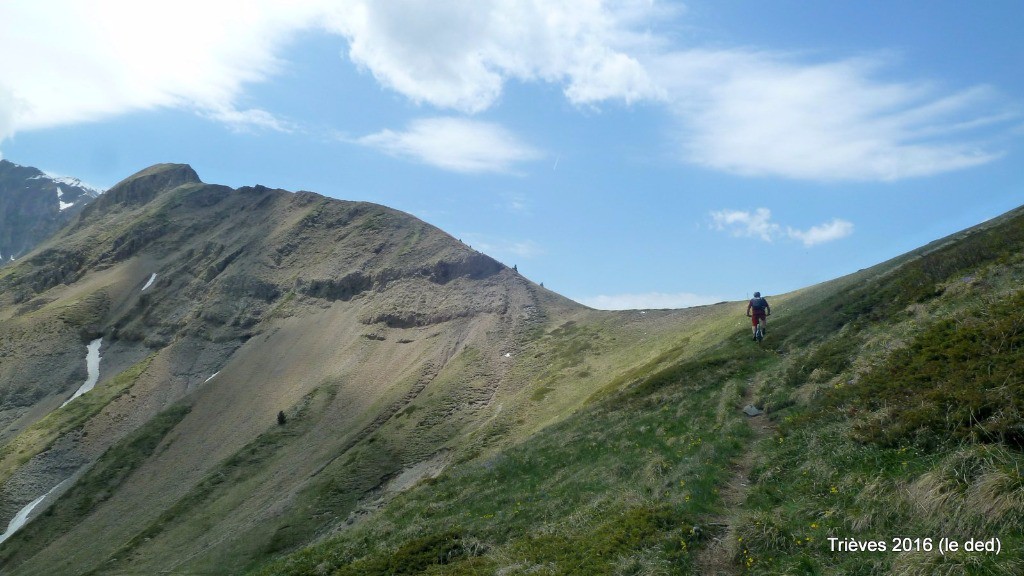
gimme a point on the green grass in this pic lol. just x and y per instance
(958, 380)
(616, 488)
(816, 482)
(917, 279)
(87, 313)
(410, 241)
(569, 345)
(919, 439)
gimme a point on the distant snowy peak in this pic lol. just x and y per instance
(87, 189)
(35, 204)
(81, 188)
(71, 192)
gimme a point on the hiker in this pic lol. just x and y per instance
(758, 311)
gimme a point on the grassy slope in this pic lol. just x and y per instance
(440, 421)
(906, 422)
(896, 401)
(619, 483)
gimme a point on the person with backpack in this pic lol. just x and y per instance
(758, 311)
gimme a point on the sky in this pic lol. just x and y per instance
(627, 153)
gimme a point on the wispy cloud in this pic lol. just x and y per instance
(758, 224)
(456, 144)
(8, 106)
(526, 249)
(745, 111)
(648, 300)
(503, 248)
(515, 203)
(249, 120)
(749, 112)
(767, 114)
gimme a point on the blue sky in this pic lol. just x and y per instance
(625, 154)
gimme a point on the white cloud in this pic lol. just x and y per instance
(73, 61)
(8, 109)
(459, 55)
(758, 224)
(758, 113)
(649, 300)
(827, 232)
(766, 114)
(749, 224)
(456, 144)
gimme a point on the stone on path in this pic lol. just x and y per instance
(751, 410)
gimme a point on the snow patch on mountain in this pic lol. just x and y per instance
(63, 205)
(21, 518)
(92, 365)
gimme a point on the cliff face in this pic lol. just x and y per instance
(34, 205)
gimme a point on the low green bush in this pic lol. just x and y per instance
(959, 380)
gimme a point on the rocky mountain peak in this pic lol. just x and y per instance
(143, 186)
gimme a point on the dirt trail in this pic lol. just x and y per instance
(715, 559)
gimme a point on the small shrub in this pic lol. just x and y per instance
(958, 380)
(413, 557)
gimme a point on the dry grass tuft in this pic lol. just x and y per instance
(953, 564)
(976, 487)
(881, 504)
(997, 496)
(645, 562)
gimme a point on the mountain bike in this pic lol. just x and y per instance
(759, 331)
